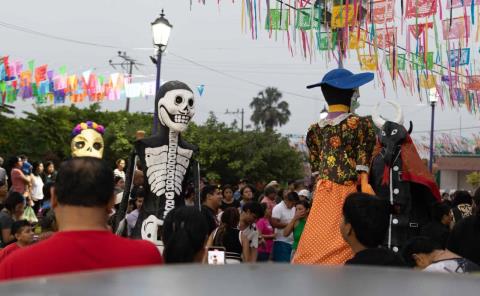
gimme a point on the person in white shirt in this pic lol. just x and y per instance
(282, 214)
(120, 170)
(251, 212)
(37, 185)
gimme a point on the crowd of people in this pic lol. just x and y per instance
(69, 216)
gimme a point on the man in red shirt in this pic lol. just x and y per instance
(23, 235)
(82, 200)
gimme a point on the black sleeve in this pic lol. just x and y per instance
(454, 238)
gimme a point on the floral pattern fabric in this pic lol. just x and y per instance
(339, 149)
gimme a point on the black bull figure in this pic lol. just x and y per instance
(390, 178)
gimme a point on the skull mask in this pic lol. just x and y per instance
(87, 140)
(175, 105)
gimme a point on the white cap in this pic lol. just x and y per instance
(272, 183)
(304, 192)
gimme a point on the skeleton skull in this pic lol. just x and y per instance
(176, 109)
(87, 143)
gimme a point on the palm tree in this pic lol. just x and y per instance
(268, 111)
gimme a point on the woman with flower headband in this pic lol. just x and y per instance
(340, 146)
(87, 140)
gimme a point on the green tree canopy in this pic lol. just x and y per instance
(268, 111)
(226, 154)
(45, 133)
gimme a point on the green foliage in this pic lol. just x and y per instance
(227, 154)
(268, 111)
(474, 179)
(45, 134)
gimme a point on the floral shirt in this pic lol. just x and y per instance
(340, 147)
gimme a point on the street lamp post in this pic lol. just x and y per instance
(161, 29)
(433, 99)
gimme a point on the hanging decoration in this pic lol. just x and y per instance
(201, 89)
(421, 43)
(45, 85)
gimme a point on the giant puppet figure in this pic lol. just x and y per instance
(87, 140)
(166, 162)
(399, 176)
(340, 150)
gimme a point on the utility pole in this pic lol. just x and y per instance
(127, 65)
(238, 112)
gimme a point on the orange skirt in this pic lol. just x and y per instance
(321, 241)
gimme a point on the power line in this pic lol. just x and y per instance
(239, 78)
(448, 129)
(30, 31)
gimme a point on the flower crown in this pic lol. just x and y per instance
(88, 125)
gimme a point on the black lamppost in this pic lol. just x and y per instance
(433, 99)
(161, 29)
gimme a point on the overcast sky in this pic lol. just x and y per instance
(209, 36)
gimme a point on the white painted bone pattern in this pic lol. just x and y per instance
(156, 161)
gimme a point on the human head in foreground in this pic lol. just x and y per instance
(365, 221)
(185, 234)
(423, 253)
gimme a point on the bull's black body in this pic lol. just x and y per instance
(410, 201)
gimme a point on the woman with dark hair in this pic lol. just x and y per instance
(37, 185)
(13, 211)
(228, 235)
(464, 238)
(132, 217)
(267, 234)
(228, 201)
(119, 171)
(246, 194)
(19, 182)
(50, 174)
(185, 234)
(423, 253)
(297, 224)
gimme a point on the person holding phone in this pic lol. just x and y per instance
(229, 238)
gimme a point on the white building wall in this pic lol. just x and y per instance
(449, 180)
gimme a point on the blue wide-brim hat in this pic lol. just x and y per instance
(344, 79)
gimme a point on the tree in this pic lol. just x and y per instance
(268, 111)
(227, 154)
(46, 133)
(474, 179)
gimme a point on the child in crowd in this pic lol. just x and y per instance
(267, 235)
(23, 237)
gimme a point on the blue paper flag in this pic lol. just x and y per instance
(459, 57)
(201, 89)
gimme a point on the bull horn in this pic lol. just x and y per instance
(399, 118)
(379, 121)
(410, 129)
